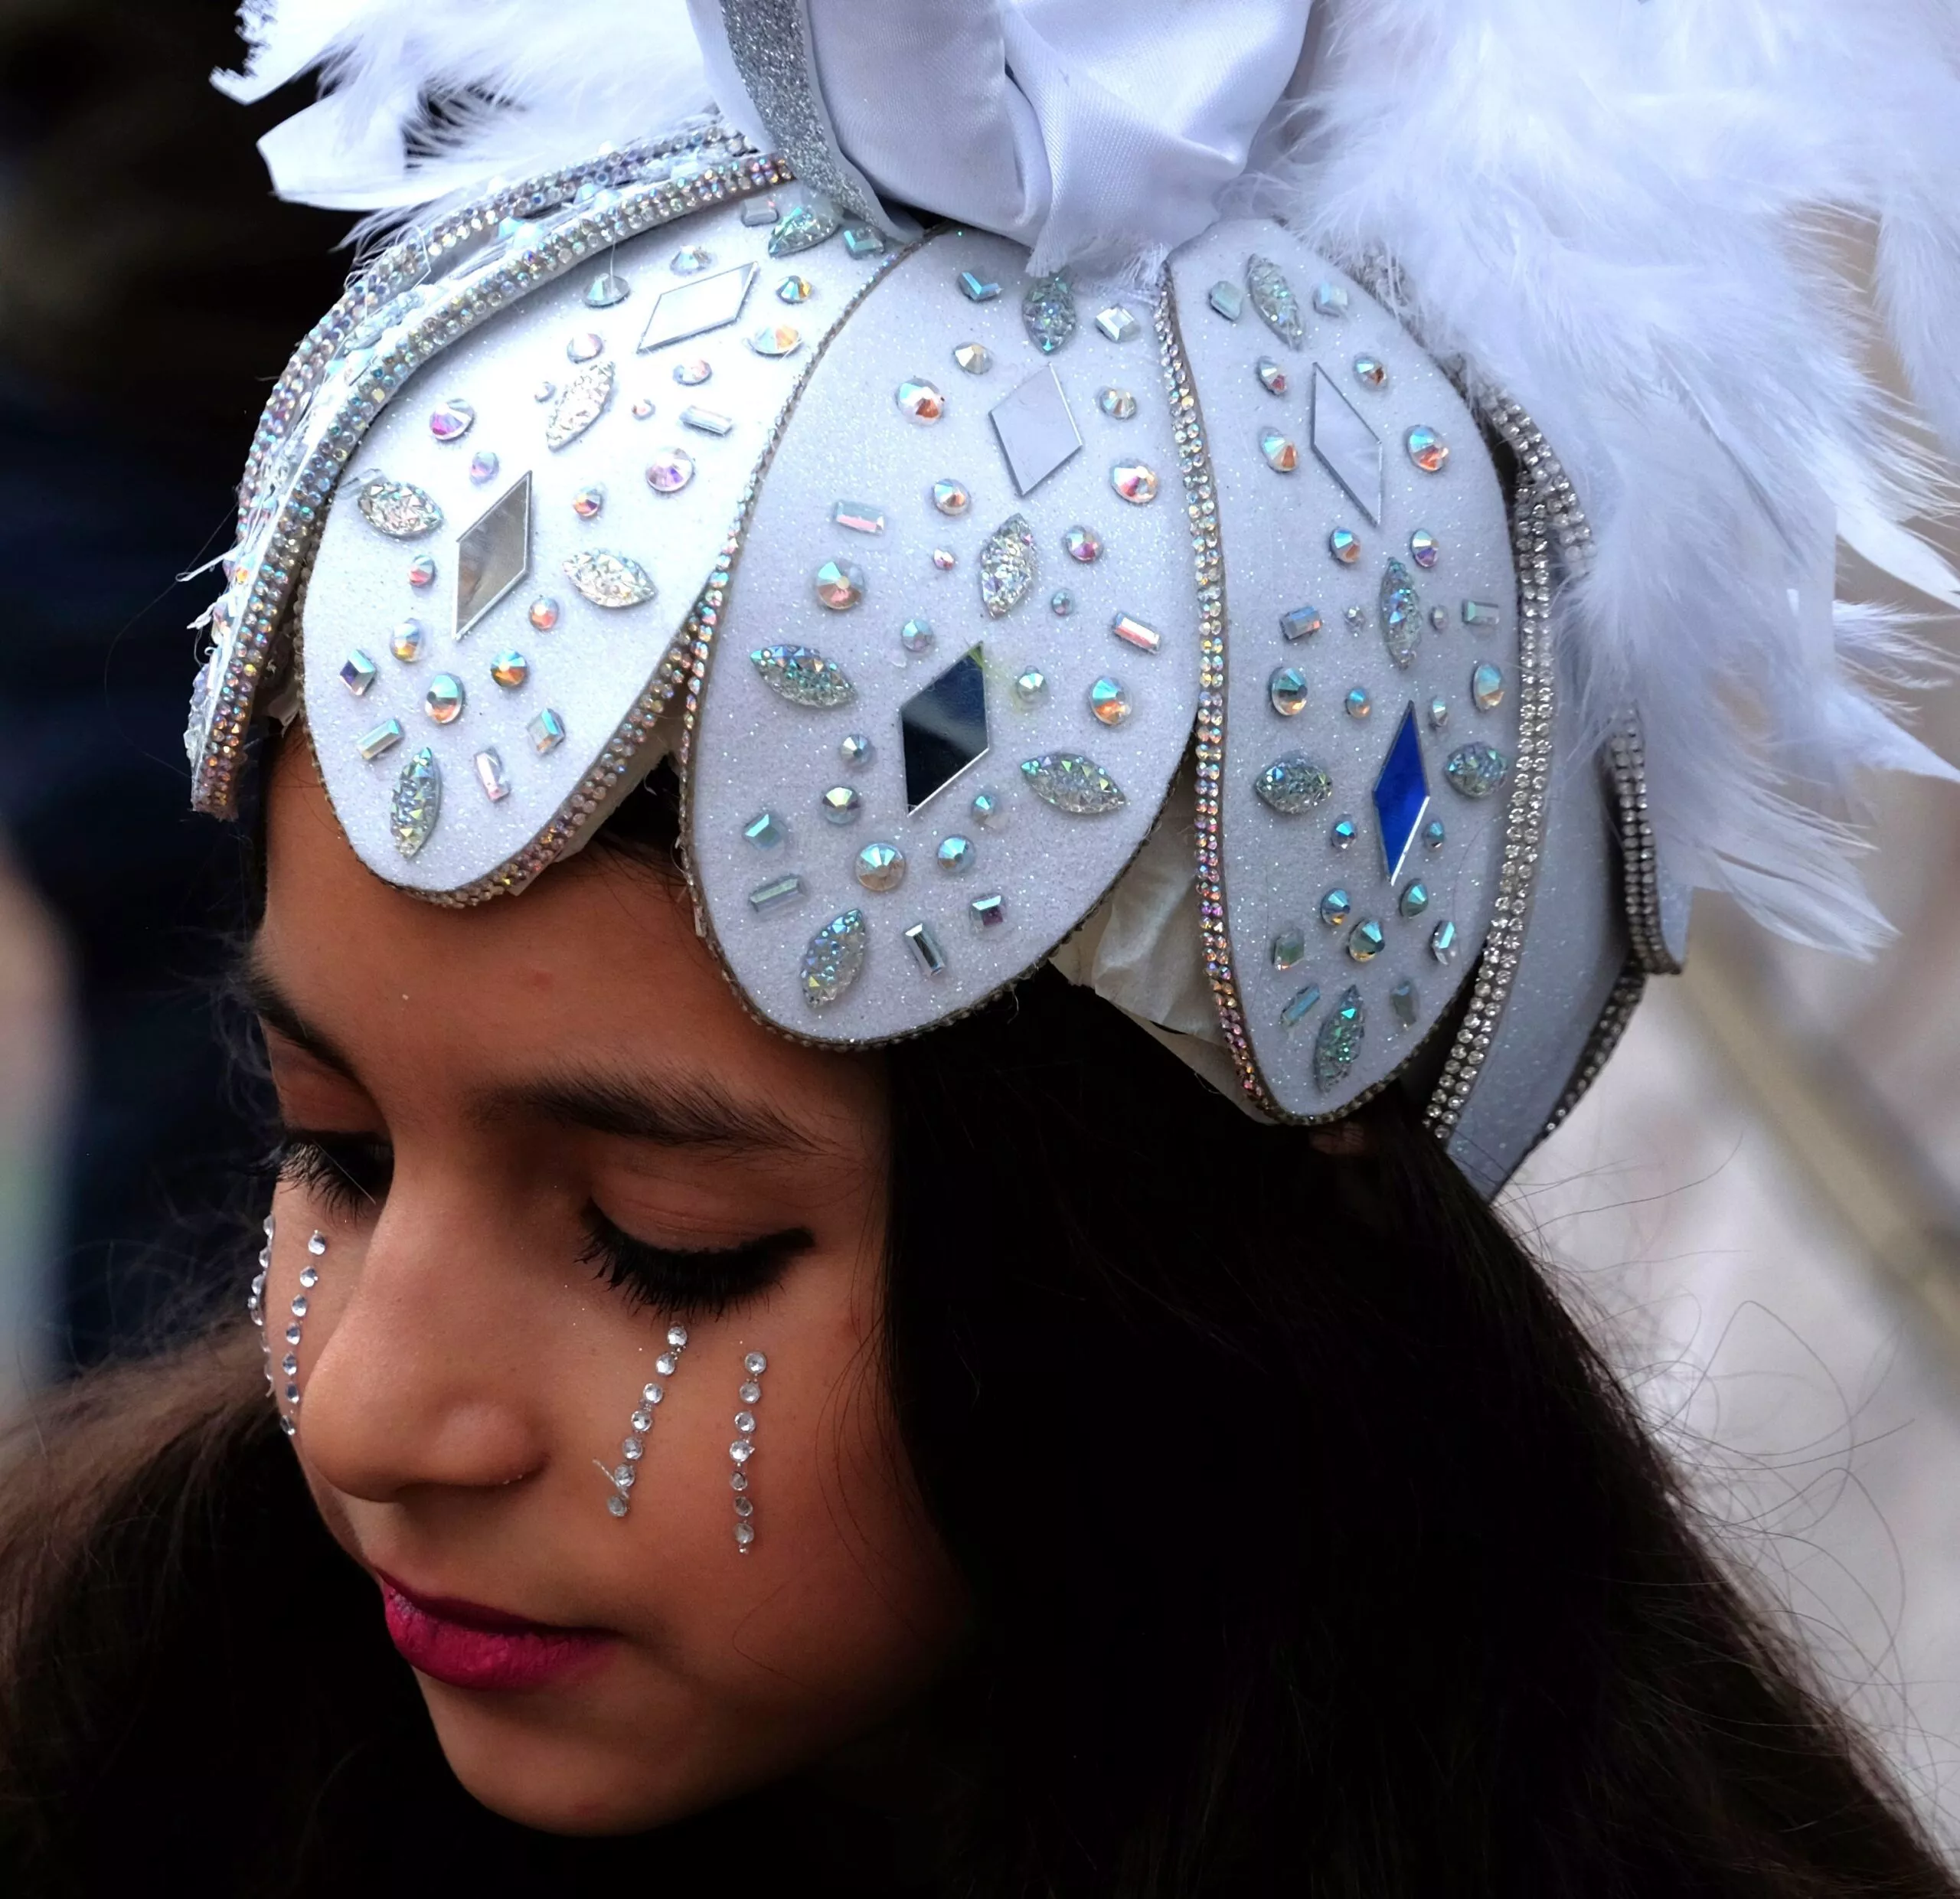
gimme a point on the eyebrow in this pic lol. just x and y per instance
(675, 1111)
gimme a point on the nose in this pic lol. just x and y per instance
(420, 1380)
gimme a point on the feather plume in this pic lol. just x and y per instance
(1621, 212)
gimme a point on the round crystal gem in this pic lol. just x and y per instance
(317, 1244)
(951, 497)
(692, 372)
(1119, 405)
(641, 1420)
(744, 1506)
(670, 471)
(880, 867)
(584, 348)
(1427, 449)
(1423, 547)
(422, 571)
(749, 1392)
(1061, 602)
(1438, 714)
(310, 1276)
(755, 1364)
(616, 1504)
(945, 559)
(690, 260)
(633, 1449)
(603, 293)
(449, 420)
(622, 1476)
(975, 358)
(738, 1480)
(483, 467)
(1272, 377)
(794, 290)
(855, 750)
(1287, 689)
(1134, 483)
(1280, 451)
(1370, 372)
(298, 1306)
(1030, 687)
(920, 401)
(665, 1365)
(1343, 833)
(841, 804)
(543, 392)
(588, 501)
(840, 585)
(510, 670)
(776, 339)
(741, 1450)
(544, 613)
(1413, 900)
(642, 407)
(1345, 545)
(443, 701)
(652, 1393)
(1364, 941)
(1336, 907)
(744, 1422)
(956, 854)
(1358, 705)
(1108, 701)
(1083, 544)
(989, 813)
(405, 642)
(1433, 834)
(1486, 687)
(916, 636)
(745, 1534)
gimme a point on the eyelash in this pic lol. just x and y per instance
(351, 1174)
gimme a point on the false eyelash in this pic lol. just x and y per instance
(349, 1173)
(688, 1282)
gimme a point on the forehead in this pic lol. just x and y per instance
(596, 965)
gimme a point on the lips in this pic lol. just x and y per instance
(468, 1646)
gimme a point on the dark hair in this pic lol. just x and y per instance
(1312, 1546)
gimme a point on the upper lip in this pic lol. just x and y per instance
(473, 1615)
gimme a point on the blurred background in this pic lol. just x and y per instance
(1758, 1207)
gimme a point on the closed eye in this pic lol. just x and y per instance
(689, 1282)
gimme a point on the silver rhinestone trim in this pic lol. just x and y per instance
(1600, 1044)
(1639, 861)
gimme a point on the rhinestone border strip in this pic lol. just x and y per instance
(1639, 859)
(468, 303)
(1600, 1044)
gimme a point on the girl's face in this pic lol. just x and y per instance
(533, 1135)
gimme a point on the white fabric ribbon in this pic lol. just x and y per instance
(1092, 131)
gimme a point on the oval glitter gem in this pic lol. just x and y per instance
(450, 421)
(1293, 784)
(398, 509)
(831, 964)
(1072, 783)
(610, 580)
(670, 471)
(1427, 449)
(413, 807)
(1136, 483)
(803, 676)
(1476, 770)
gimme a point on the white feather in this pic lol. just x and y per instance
(1613, 209)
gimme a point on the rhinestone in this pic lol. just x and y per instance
(945, 560)
(1288, 948)
(978, 290)
(1072, 783)
(855, 750)
(759, 210)
(546, 732)
(943, 728)
(1433, 834)
(706, 421)
(603, 292)
(544, 614)
(1348, 449)
(641, 1420)
(1281, 454)
(543, 392)
(422, 571)
(916, 636)
(449, 421)
(357, 672)
(1414, 900)
(483, 467)
(1370, 372)
(840, 585)
(802, 227)
(745, 1533)
(1272, 297)
(692, 373)
(633, 1449)
(1423, 548)
(956, 854)
(1119, 405)
(951, 497)
(841, 805)
(691, 261)
(1296, 1011)
(831, 964)
(1476, 770)
(642, 407)
(588, 503)
(975, 358)
(1083, 544)
(652, 1393)
(989, 811)
(1287, 689)
(444, 700)
(609, 580)
(298, 1307)
(1036, 430)
(1030, 688)
(1344, 546)
(1427, 449)
(776, 339)
(1134, 483)
(1354, 617)
(1061, 602)
(670, 471)
(1336, 907)
(1007, 566)
(1301, 621)
(292, 1394)
(317, 1244)
(1439, 617)
(1117, 323)
(666, 1364)
(1486, 687)
(398, 509)
(1133, 632)
(767, 897)
(1228, 299)
(803, 676)
(861, 517)
(405, 642)
(1442, 942)
(987, 913)
(755, 1364)
(1401, 613)
(881, 867)
(676, 1336)
(1047, 312)
(510, 669)
(737, 1480)
(1293, 784)
(1406, 1004)
(1401, 795)
(493, 555)
(1438, 714)
(767, 832)
(1108, 701)
(1272, 377)
(1339, 1041)
(926, 952)
(862, 241)
(1357, 703)
(796, 290)
(309, 1277)
(290, 1364)
(920, 401)
(291, 1334)
(1331, 299)
(1481, 614)
(489, 768)
(384, 737)
(1343, 833)
(417, 799)
(745, 1423)
(584, 347)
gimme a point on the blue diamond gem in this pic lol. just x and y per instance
(1401, 794)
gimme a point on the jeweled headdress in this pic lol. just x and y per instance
(994, 456)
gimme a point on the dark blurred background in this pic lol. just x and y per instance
(151, 289)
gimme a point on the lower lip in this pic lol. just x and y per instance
(466, 1654)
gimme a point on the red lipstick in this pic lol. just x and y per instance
(468, 1646)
